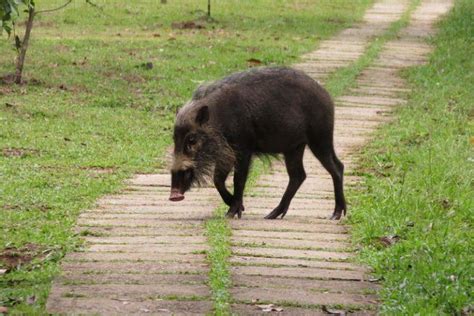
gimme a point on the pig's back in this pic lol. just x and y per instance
(272, 108)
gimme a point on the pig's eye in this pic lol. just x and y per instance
(191, 140)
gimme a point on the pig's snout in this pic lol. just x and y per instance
(176, 195)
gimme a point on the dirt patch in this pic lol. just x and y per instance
(9, 79)
(10, 207)
(133, 78)
(12, 257)
(62, 48)
(4, 90)
(98, 171)
(40, 24)
(33, 207)
(12, 152)
(188, 25)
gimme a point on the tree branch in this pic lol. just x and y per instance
(55, 9)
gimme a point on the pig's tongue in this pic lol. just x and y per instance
(176, 196)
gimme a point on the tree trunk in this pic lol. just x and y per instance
(24, 46)
(209, 8)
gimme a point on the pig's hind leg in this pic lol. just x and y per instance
(241, 171)
(294, 166)
(325, 153)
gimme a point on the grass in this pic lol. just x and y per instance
(418, 181)
(219, 232)
(93, 113)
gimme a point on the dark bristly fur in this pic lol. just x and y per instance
(215, 153)
(259, 111)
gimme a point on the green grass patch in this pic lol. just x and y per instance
(218, 235)
(418, 177)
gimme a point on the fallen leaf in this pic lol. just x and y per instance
(188, 25)
(270, 308)
(31, 300)
(18, 152)
(446, 204)
(331, 311)
(468, 310)
(148, 65)
(429, 227)
(252, 62)
(389, 240)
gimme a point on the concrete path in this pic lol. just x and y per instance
(303, 263)
(144, 255)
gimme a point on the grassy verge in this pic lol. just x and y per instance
(103, 86)
(419, 184)
(219, 232)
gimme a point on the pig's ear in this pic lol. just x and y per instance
(203, 115)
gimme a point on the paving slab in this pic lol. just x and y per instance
(125, 306)
(142, 254)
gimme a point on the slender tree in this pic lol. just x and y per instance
(9, 14)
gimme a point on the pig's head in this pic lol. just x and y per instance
(194, 149)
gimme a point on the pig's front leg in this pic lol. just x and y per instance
(240, 177)
(220, 175)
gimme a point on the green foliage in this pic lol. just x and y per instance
(10, 12)
(419, 184)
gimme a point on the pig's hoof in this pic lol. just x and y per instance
(336, 215)
(232, 212)
(276, 212)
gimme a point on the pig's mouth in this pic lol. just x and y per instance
(181, 181)
(176, 195)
